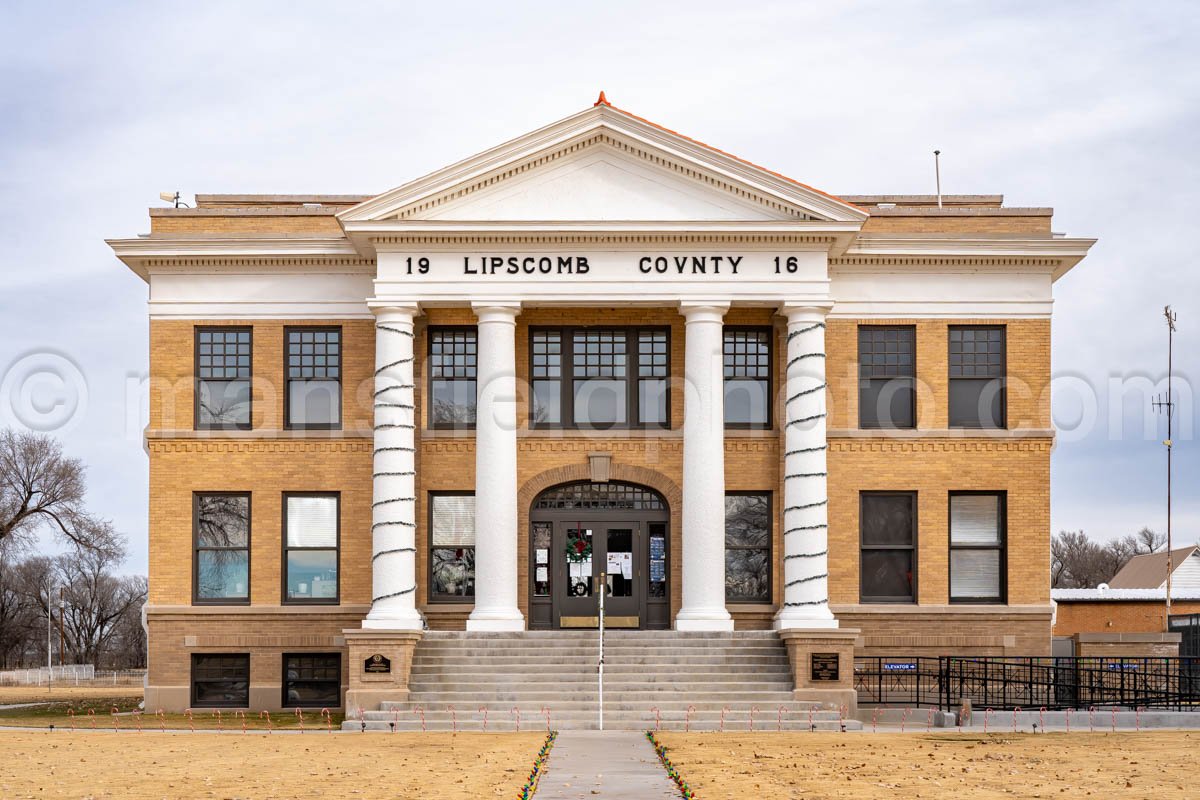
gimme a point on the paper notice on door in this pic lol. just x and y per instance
(621, 564)
(542, 574)
(543, 556)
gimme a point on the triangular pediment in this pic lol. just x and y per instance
(603, 165)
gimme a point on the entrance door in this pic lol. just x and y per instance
(587, 550)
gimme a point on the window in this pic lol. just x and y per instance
(600, 378)
(220, 680)
(312, 680)
(452, 547)
(889, 526)
(452, 365)
(977, 372)
(221, 535)
(977, 566)
(314, 378)
(886, 377)
(310, 548)
(747, 363)
(223, 370)
(748, 548)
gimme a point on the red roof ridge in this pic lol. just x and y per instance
(602, 100)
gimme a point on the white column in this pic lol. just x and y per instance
(805, 496)
(393, 495)
(496, 581)
(703, 532)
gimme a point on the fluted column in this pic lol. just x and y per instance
(703, 532)
(496, 583)
(805, 495)
(393, 485)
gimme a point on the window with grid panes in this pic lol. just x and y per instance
(314, 377)
(886, 377)
(312, 680)
(223, 371)
(977, 373)
(653, 366)
(747, 367)
(546, 376)
(977, 547)
(220, 680)
(889, 545)
(599, 378)
(453, 354)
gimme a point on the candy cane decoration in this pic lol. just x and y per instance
(842, 718)
(328, 719)
(546, 711)
(420, 710)
(752, 710)
(362, 721)
(929, 720)
(904, 718)
(811, 709)
(1091, 719)
(453, 720)
(71, 714)
(137, 718)
(687, 720)
(242, 714)
(1137, 715)
(779, 719)
(267, 714)
(723, 710)
(220, 724)
(1042, 718)
(657, 719)
(987, 713)
(874, 719)
(300, 717)
(395, 719)
(517, 712)
(162, 720)
(1114, 719)
(1015, 710)
(483, 710)
(92, 717)
(116, 724)
(1069, 720)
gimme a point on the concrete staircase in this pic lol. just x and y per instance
(556, 670)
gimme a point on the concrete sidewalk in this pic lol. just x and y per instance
(606, 764)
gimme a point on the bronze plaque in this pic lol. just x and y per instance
(378, 664)
(825, 666)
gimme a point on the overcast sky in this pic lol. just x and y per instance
(1090, 107)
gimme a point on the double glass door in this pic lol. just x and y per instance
(592, 548)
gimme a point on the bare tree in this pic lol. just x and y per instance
(1149, 541)
(17, 614)
(96, 602)
(42, 489)
(1077, 562)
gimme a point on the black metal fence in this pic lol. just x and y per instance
(1029, 682)
(1188, 627)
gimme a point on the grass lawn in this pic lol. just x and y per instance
(106, 765)
(818, 765)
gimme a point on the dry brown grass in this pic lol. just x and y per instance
(55, 694)
(815, 765)
(107, 766)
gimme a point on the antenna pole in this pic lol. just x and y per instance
(1170, 315)
(937, 174)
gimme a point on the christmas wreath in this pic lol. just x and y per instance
(579, 549)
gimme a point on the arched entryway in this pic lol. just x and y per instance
(581, 529)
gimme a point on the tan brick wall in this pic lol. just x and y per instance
(1114, 616)
(987, 224)
(315, 225)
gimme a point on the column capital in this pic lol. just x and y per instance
(802, 311)
(389, 309)
(497, 311)
(713, 311)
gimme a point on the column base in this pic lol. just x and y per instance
(366, 690)
(499, 619)
(702, 620)
(815, 617)
(822, 662)
(399, 622)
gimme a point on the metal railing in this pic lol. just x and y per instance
(1028, 681)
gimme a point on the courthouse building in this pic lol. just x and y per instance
(601, 347)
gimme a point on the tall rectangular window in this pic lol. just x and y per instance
(748, 547)
(977, 376)
(600, 378)
(311, 527)
(314, 378)
(312, 680)
(220, 680)
(546, 376)
(221, 537)
(889, 547)
(977, 534)
(747, 367)
(886, 377)
(452, 369)
(223, 371)
(452, 547)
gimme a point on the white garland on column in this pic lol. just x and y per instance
(793, 469)
(383, 401)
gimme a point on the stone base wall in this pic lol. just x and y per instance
(1127, 645)
(948, 630)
